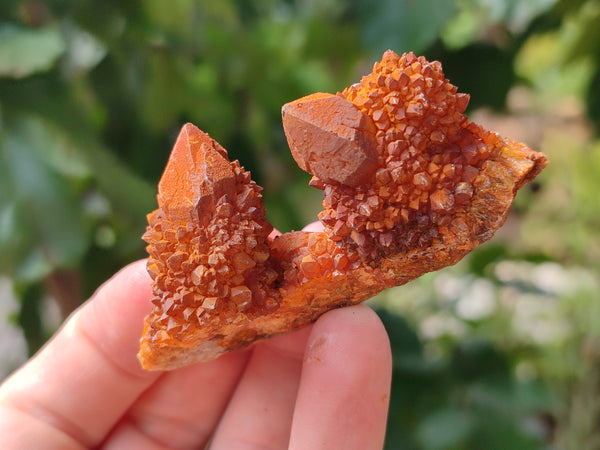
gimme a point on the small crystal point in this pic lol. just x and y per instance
(197, 174)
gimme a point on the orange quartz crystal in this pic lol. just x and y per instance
(410, 186)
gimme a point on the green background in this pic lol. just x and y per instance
(501, 351)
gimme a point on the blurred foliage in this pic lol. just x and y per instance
(501, 351)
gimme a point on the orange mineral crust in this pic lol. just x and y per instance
(410, 186)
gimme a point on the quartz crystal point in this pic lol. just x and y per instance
(331, 138)
(410, 186)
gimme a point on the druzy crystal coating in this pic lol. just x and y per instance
(207, 245)
(429, 157)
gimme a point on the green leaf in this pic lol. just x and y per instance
(41, 225)
(402, 25)
(475, 19)
(521, 13)
(130, 198)
(464, 28)
(26, 51)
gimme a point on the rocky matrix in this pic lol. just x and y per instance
(410, 186)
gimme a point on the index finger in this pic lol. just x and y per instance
(87, 376)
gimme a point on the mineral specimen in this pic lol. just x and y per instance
(410, 186)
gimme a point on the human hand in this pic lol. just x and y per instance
(324, 387)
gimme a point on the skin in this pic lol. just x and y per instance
(325, 386)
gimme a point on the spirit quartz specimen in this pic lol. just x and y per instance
(410, 186)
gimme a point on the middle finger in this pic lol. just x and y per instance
(183, 407)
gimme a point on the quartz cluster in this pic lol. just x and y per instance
(410, 186)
